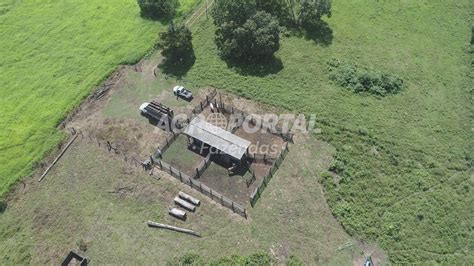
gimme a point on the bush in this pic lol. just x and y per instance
(158, 9)
(337, 167)
(362, 80)
(255, 259)
(3, 206)
(188, 259)
(258, 259)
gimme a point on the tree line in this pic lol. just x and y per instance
(246, 30)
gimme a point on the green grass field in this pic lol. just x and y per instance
(53, 54)
(407, 176)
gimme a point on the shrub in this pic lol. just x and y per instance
(3, 206)
(158, 9)
(363, 80)
(337, 167)
(188, 259)
(258, 259)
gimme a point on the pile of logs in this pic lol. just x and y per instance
(185, 201)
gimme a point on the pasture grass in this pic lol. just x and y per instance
(105, 204)
(53, 54)
(407, 172)
(179, 156)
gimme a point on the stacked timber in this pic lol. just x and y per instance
(188, 206)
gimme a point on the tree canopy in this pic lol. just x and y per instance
(176, 44)
(244, 33)
(311, 12)
(158, 9)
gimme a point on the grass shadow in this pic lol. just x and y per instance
(257, 68)
(179, 69)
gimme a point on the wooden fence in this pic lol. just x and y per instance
(195, 184)
(269, 128)
(271, 172)
(167, 143)
(132, 160)
(262, 158)
(184, 178)
(249, 181)
(203, 166)
(204, 103)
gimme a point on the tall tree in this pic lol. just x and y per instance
(176, 44)
(158, 9)
(311, 11)
(278, 8)
(243, 33)
(232, 12)
(262, 36)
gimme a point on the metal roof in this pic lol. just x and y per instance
(217, 137)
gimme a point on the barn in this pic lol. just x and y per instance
(231, 148)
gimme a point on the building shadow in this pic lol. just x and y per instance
(257, 67)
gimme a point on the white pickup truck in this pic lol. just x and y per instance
(180, 91)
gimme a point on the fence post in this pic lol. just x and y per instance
(197, 173)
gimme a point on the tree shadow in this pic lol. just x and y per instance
(320, 33)
(257, 68)
(178, 69)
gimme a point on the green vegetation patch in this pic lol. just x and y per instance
(360, 79)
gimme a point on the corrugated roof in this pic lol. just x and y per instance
(217, 137)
